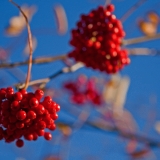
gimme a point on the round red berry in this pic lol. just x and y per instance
(19, 143)
(21, 115)
(47, 136)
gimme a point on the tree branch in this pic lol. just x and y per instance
(140, 39)
(34, 61)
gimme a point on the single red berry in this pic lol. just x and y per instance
(18, 96)
(34, 102)
(23, 92)
(21, 115)
(41, 125)
(15, 105)
(35, 136)
(40, 132)
(47, 136)
(54, 116)
(28, 137)
(110, 8)
(40, 109)
(31, 114)
(19, 143)
(52, 127)
(19, 125)
(57, 108)
(39, 94)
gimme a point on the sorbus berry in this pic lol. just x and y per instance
(19, 143)
(21, 115)
(33, 102)
(47, 136)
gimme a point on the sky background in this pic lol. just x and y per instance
(143, 94)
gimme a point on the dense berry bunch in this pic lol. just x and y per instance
(97, 41)
(84, 91)
(23, 115)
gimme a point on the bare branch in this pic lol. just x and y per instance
(140, 39)
(34, 61)
(46, 80)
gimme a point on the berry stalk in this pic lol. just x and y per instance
(30, 45)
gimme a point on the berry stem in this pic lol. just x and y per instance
(140, 39)
(132, 9)
(30, 45)
(43, 81)
(34, 61)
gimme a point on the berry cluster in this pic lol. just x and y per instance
(97, 41)
(84, 91)
(23, 115)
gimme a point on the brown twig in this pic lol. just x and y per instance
(30, 45)
(140, 39)
(34, 61)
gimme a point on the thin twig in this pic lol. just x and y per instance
(44, 81)
(34, 61)
(140, 39)
(29, 42)
(131, 10)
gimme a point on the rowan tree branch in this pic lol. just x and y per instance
(131, 41)
(34, 61)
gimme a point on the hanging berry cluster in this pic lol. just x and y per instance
(84, 91)
(97, 41)
(23, 115)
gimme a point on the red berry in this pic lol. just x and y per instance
(28, 137)
(33, 102)
(40, 109)
(39, 94)
(40, 132)
(18, 96)
(19, 143)
(21, 115)
(52, 127)
(47, 136)
(41, 125)
(15, 105)
(31, 115)
(110, 7)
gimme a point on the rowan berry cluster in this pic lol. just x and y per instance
(97, 41)
(84, 91)
(23, 115)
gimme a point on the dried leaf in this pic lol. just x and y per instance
(62, 24)
(115, 91)
(153, 17)
(148, 28)
(18, 23)
(65, 129)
